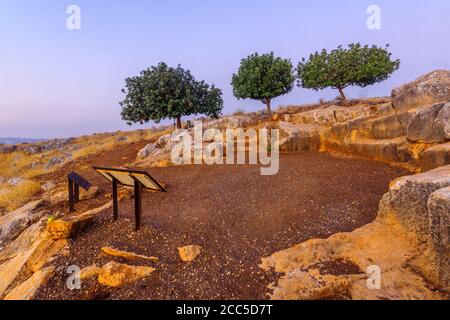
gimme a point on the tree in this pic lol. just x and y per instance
(263, 77)
(162, 92)
(356, 66)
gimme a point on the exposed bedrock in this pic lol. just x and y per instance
(414, 129)
(408, 242)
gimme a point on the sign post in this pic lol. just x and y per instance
(74, 181)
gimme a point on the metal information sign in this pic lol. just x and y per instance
(138, 179)
(75, 181)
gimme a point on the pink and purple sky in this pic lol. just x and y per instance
(56, 82)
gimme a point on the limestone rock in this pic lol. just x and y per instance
(27, 289)
(53, 162)
(12, 224)
(189, 253)
(428, 124)
(71, 226)
(10, 269)
(439, 215)
(163, 140)
(428, 89)
(408, 197)
(90, 272)
(48, 186)
(435, 156)
(93, 192)
(146, 151)
(22, 243)
(15, 181)
(115, 274)
(301, 285)
(126, 255)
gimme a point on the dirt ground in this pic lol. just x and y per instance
(237, 215)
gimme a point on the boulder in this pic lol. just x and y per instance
(27, 289)
(439, 216)
(73, 225)
(126, 255)
(189, 253)
(429, 124)
(428, 89)
(163, 140)
(146, 151)
(12, 224)
(115, 274)
(435, 156)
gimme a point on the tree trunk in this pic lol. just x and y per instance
(343, 97)
(178, 122)
(267, 102)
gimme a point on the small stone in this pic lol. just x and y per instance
(189, 253)
(115, 274)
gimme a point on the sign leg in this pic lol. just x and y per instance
(76, 192)
(138, 203)
(115, 200)
(71, 196)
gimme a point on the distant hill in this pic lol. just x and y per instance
(19, 140)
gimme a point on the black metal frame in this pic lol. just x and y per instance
(74, 188)
(138, 186)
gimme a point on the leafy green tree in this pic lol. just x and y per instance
(162, 92)
(263, 77)
(356, 66)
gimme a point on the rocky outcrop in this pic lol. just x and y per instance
(408, 243)
(27, 289)
(12, 224)
(428, 89)
(429, 124)
(73, 225)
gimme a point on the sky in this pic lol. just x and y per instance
(57, 82)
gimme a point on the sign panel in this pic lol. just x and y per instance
(128, 177)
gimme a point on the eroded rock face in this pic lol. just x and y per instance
(408, 242)
(12, 224)
(115, 274)
(428, 89)
(429, 124)
(146, 151)
(439, 215)
(27, 289)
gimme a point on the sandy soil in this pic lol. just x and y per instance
(236, 214)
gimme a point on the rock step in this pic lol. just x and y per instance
(394, 150)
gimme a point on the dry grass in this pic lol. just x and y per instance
(12, 197)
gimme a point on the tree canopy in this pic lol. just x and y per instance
(263, 77)
(355, 66)
(162, 92)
